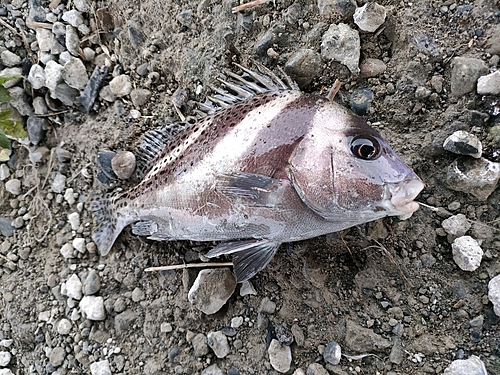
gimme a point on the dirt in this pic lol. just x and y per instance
(396, 278)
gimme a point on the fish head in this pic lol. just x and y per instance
(345, 170)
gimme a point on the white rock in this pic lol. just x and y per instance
(44, 39)
(236, 322)
(74, 287)
(65, 57)
(36, 76)
(13, 186)
(489, 84)
(67, 251)
(456, 225)
(120, 85)
(69, 196)
(494, 293)
(82, 5)
(218, 342)
(100, 368)
(74, 220)
(370, 16)
(280, 356)
(64, 326)
(73, 17)
(212, 370)
(79, 244)
(205, 296)
(53, 75)
(5, 358)
(4, 172)
(332, 353)
(74, 74)
(342, 44)
(58, 183)
(247, 289)
(467, 253)
(6, 371)
(6, 343)
(10, 59)
(92, 308)
(72, 40)
(471, 366)
(463, 143)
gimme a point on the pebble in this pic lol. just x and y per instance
(463, 143)
(212, 370)
(39, 106)
(66, 94)
(120, 85)
(494, 293)
(267, 306)
(44, 39)
(280, 356)
(456, 225)
(303, 66)
(316, 369)
(79, 244)
(64, 326)
(489, 84)
(471, 366)
(360, 101)
(200, 346)
(140, 97)
(100, 368)
(13, 186)
(6, 371)
(5, 358)
(124, 321)
(123, 164)
(36, 129)
(332, 353)
(478, 177)
(92, 283)
(341, 43)
(336, 10)
(370, 16)
(92, 308)
(138, 295)
(464, 74)
(10, 59)
(247, 289)
(104, 159)
(364, 340)
(467, 253)
(166, 328)
(75, 74)
(74, 287)
(4, 172)
(372, 68)
(236, 322)
(59, 183)
(36, 76)
(143, 69)
(217, 341)
(72, 41)
(53, 75)
(6, 228)
(73, 17)
(67, 251)
(205, 297)
(57, 356)
(74, 220)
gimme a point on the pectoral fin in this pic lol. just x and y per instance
(249, 256)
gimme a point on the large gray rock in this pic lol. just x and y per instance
(471, 366)
(341, 43)
(211, 289)
(464, 74)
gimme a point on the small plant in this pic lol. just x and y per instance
(9, 128)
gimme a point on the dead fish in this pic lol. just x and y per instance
(269, 164)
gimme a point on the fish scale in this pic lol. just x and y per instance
(264, 164)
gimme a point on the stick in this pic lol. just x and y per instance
(249, 5)
(334, 90)
(189, 265)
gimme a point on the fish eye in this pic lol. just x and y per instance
(365, 147)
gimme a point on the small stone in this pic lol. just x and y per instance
(494, 293)
(372, 68)
(93, 308)
(212, 370)
(463, 143)
(44, 39)
(36, 76)
(205, 297)
(104, 159)
(6, 371)
(100, 368)
(119, 305)
(316, 369)
(143, 69)
(332, 353)
(74, 220)
(53, 75)
(370, 16)
(66, 94)
(166, 328)
(79, 244)
(124, 321)
(64, 326)
(471, 366)
(72, 41)
(4, 172)
(123, 164)
(88, 54)
(73, 17)
(467, 253)
(200, 346)
(63, 155)
(267, 306)
(456, 225)
(6, 228)
(364, 340)
(36, 129)
(303, 66)
(74, 287)
(92, 283)
(67, 251)
(247, 289)
(489, 84)
(75, 74)
(478, 177)
(465, 73)
(140, 97)
(336, 10)
(10, 59)
(138, 295)
(236, 322)
(360, 101)
(120, 85)
(218, 343)
(280, 356)
(5, 358)
(40, 106)
(341, 43)
(13, 186)
(57, 356)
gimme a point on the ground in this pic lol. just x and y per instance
(395, 278)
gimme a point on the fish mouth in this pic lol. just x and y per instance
(402, 196)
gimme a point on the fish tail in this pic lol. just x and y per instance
(109, 222)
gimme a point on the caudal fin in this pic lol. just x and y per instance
(108, 223)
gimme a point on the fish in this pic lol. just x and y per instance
(262, 164)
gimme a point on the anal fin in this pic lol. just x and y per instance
(249, 256)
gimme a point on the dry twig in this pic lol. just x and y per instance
(189, 265)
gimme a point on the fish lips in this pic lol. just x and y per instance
(400, 197)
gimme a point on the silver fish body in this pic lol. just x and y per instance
(279, 166)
